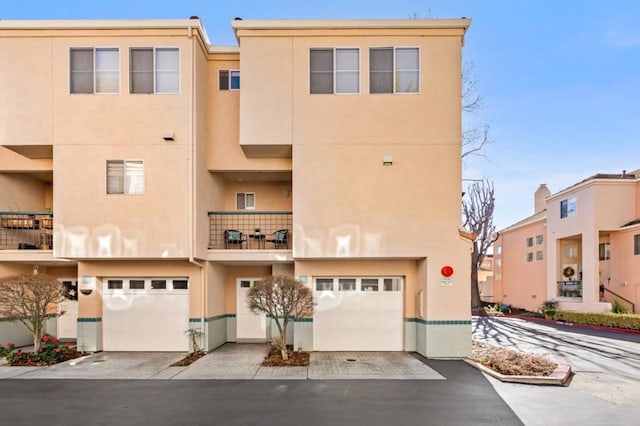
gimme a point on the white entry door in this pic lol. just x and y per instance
(68, 321)
(248, 324)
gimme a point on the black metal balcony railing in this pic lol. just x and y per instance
(570, 288)
(258, 230)
(26, 231)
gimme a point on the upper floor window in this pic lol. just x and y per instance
(604, 252)
(334, 70)
(94, 70)
(125, 177)
(529, 242)
(529, 257)
(394, 70)
(539, 239)
(245, 200)
(155, 70)
(539, 255)
(229, 80)
(568, 207)
(636, 244)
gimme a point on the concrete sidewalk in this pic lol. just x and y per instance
(232, 361)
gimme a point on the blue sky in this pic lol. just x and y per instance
(560, 79)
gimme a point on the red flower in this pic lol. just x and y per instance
(45, 339)
(19, 353)
(28, 359)
(57, 349)
(54, 340)
(41, 350)
(68, 344)
(9, 345)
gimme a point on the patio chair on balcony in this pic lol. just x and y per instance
(279, 239)
(233, 237)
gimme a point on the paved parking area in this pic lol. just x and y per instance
(232, 361)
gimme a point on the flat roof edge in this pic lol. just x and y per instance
(91, 24)
(284, 24)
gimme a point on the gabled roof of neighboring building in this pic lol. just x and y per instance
(540, 216)
(633, 222)
(631, 176)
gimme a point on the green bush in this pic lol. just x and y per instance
(626, 321)
(618, 308)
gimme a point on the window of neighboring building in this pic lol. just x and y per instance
(229, 80)
(570, 251)
(497, 276)
(245, 200)
(334, 70)
(498, 263)
(499, 250)
(568, 207)
(604, 251)
(530, 257)
(394, 70)
(529, 242)
(155, 70)
(94, 70)
(539, 239)
(539, 255)
(125, 177)
(636, 244)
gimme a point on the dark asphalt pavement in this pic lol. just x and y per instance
(465, 398)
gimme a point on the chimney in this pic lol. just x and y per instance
(540, 196)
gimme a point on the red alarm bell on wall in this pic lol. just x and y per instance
(447, 271)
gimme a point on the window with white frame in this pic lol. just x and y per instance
(570, 251)
(229, 80)
(529, 242)
(604, 252)
(334, 70)
(539, 255)
(539, 240)
(530, 256)
(245, 200)
(125, 177)
(568, 207)
(94, 70)
(394, 70)
(154, 70)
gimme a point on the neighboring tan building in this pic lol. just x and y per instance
(580, 248)
(162, 176)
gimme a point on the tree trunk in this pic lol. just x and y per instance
(475, 291)
(37, 337)
(283, 342)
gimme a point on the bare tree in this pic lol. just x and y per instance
(30, 298)
(477, 212)
(284, 299)
(475, 135)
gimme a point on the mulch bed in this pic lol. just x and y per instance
(189, 359)
(296, 359)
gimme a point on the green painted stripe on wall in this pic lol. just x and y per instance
(303, 320)
(89, 319)
(438, 322)
(211, 319)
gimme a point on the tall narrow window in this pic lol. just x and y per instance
(394, 70)
(125, 177)
(334, 70)
(636, 244)
(321, 65)
(604, 251)
(155, 70)
(94, 70)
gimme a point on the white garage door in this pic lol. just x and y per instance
(149, 314)
(358, 314)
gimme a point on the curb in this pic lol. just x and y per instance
(559, 377)
(568, 324)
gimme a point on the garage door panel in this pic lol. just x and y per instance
(367, 319)
(145, 320)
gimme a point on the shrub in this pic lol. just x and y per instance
(606, 319)
(548, 309)
(50, 352)
(493, 310)
(617, 307)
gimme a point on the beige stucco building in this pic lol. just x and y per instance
(162, 175)
(581, 247)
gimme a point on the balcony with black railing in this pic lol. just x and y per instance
(26, 230)
(253, 230)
